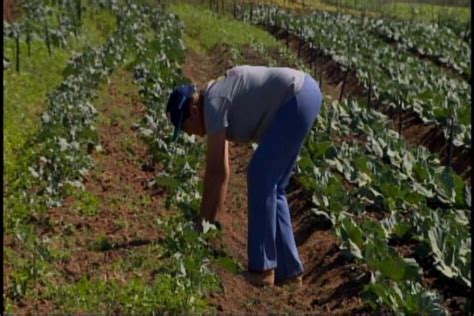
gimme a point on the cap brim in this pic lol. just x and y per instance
(176, 134)
(178, 128)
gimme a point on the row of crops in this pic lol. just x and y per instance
(395, 76)
(411, 196)
(67, 132)
(429, 40)
(60, 155)
(148, 42)
(187, 253)
(367, 181)
(54, 25)
(419, 199)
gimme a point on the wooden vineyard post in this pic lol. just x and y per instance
(343, 85)
(222, 6)
(451, 136)
(46, 31)
(79, 9)
(268, 18)
(251, 13)
(17, 41)
(300, 41)
(28, 38)
(369, 92)
(314, 59)
(74, 24)
(467, 32)
(330, 123)
(234, 10)
(400, 117)
(321, 72)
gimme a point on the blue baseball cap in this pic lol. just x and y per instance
(177, 109)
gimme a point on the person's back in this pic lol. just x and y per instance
(247, 99)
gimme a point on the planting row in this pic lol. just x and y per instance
(427, 39)
(358, 169)
(395, 77)
(60, 154)
(153, 39)
(52, 24)
(187, 253)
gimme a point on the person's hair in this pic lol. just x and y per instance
(200, 103)
(201, 91)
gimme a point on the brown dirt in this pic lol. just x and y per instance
(8, 10)
(330, 282)
(414, 131)
(127, 206)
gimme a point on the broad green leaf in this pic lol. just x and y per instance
(166, 181)
(229, 264)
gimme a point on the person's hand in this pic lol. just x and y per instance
(203, 226)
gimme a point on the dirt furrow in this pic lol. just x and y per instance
(103, 228)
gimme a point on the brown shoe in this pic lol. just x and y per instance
(296, 282)
(260, 278)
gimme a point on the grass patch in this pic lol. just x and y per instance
(172, 276)
(136, 296)
(86, 203)
(399, 9)
(25, 97)
(420, 11)
(205, 29)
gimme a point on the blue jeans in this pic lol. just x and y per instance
(271, 243)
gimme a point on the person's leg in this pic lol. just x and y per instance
(271, 164)
(288, 261)
(289, 265)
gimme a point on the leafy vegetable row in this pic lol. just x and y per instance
(67, 134)
(187, 253)
(427, 39)
(419, 199)
(397, 78)
(58, 155)
(38, 23)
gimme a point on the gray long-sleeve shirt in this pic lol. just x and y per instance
(246, 100)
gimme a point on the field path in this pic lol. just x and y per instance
(331, 283)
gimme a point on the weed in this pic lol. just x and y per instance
(102, 243)
(87, 203)
(205, 29)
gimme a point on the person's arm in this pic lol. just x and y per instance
(216, 176)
